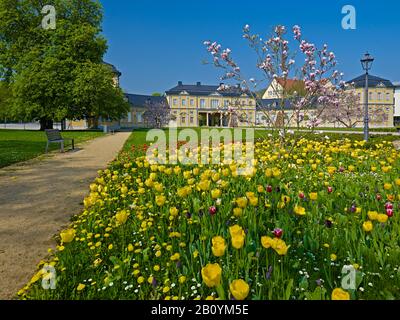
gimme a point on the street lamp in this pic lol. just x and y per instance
(366, 63)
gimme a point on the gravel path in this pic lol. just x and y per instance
(37, 200)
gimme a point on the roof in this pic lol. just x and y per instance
(373, 82)
(204, 90)
(142, 101)
(113, 69)
(396, 84)
(290, 83)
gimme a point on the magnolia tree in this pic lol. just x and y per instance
(280, 63)
(350, 111)
(157, 114)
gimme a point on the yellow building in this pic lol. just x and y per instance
(380, 98)
(207, 106)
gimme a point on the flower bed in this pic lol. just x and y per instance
(283, 231)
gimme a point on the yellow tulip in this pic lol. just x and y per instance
(268, 173)
(218, 246)
(204, 185)
(300, 211)
(121, 217)
(236, 230)
(253, 201)
(239, 289)
(237, 212)
(368, 226)
(313, 196)
(68, 235)
(340, 294)
(372, 215)
(387, 186)
(173, 211)
(382, 218)
(160, 200)
(175, 257)
(242, 202)
(276, 172)
(81, 287)
(238, 241)
(267, 242)
(211, 275)
(216, 193)
(280, 247)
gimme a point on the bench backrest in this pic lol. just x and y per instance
(53, 135)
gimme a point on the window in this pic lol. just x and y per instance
(191, 119)
(387, 96)
(379, 96)
(183, 119)
(139, 117)
(226, 103)
(214, 103)
(192, 102)
(202, 103)
(183, 102)
(129, 116)
(175, 102)
(370, 96)
(359, 96)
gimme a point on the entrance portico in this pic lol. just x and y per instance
(213, 119)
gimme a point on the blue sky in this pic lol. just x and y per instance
(156, 43)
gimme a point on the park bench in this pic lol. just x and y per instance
(54, 136)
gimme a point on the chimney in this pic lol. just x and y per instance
(198, 84)
(180, 83)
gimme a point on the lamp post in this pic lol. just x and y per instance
(366, 63)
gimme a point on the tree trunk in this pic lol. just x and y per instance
(63, 125)
(45, 124)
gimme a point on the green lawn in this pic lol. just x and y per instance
(17, 146)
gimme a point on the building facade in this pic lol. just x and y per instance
(396, 104)
(381, 99)
(381, 103)
(206, 106)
